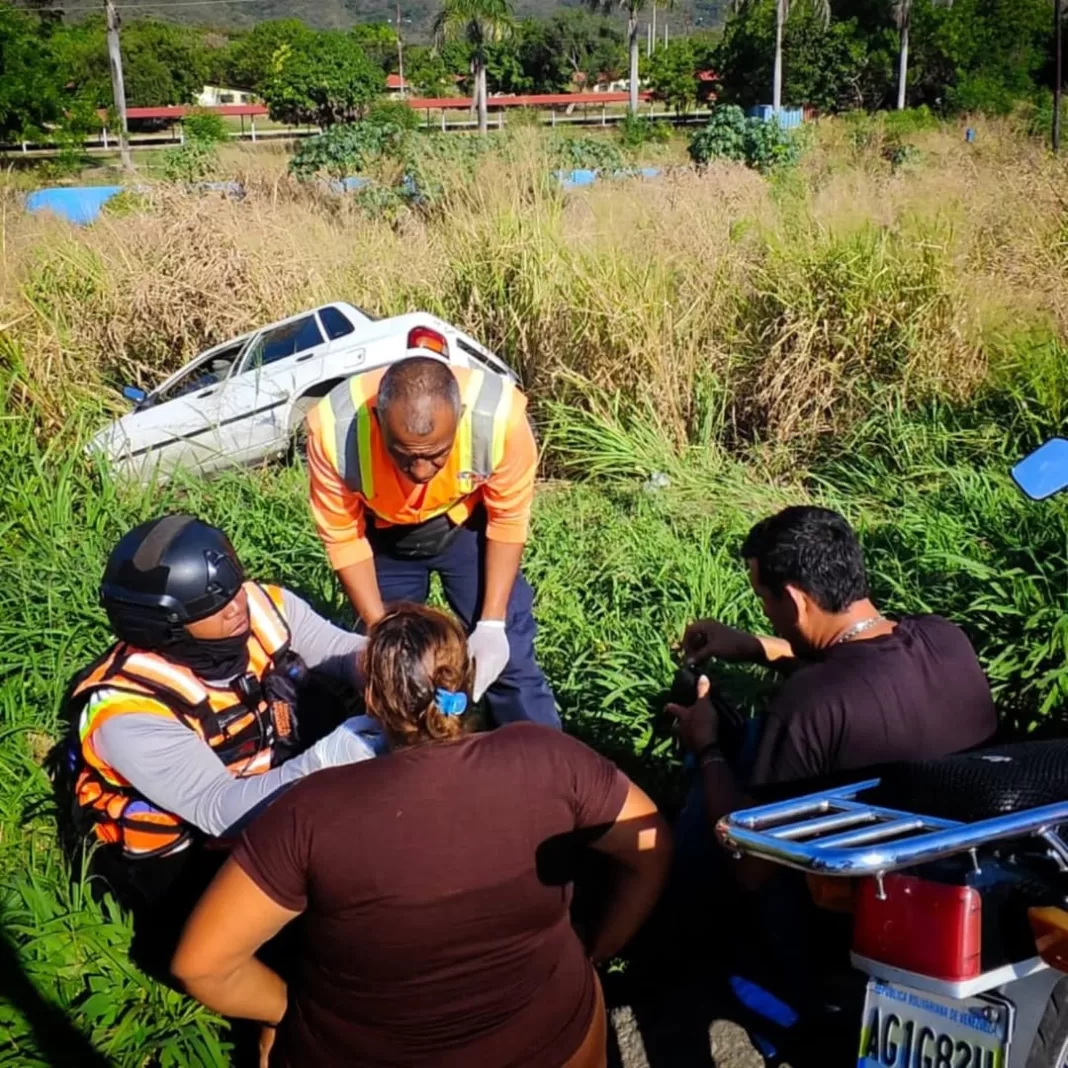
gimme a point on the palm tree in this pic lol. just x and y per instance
(902, 11)
(633, 9)
(478, 23)
(822, 10)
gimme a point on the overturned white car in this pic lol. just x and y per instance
(245, 401)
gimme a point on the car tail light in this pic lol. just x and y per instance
(422, 337)
(920, 926)
(832, 893)
(1050, 927)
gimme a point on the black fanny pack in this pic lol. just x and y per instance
(417, 541)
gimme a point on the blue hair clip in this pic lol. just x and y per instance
(449, 703)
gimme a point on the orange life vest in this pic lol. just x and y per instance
(243, 732)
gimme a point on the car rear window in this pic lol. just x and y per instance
(335, 323)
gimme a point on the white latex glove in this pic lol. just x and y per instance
(358, 738)
(488, 647)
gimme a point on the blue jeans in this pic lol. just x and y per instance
(521, 692)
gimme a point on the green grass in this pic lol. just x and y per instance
(885, 343)
(619, 569)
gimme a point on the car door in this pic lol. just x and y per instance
(178, 424)
(278, 363)
(344, 353)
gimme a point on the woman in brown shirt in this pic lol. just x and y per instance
(435, 931)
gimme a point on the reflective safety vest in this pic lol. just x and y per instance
(348, 431)
(243, 731)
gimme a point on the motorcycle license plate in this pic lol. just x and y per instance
(905, 1028)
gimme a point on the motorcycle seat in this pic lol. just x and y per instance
(979, 784)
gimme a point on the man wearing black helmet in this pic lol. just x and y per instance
(190, 722)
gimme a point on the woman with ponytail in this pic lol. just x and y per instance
(433, 883)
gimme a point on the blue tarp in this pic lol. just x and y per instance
(79, 204)
(789, 118)
(82, 204)
(575, 179)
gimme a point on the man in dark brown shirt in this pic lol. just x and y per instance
(861, 689)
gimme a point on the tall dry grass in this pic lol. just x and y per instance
(766, 312)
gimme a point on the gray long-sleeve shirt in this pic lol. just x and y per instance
(172, 768)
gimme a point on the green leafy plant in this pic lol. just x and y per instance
(635, 131)
(722, 137)
(768, 146)
(191, 162)
(207, 127)
(730, 135)
(351, 148)
(589, 153)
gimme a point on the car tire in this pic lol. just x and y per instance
(1050, 1046)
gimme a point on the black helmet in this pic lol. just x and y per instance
(166, 573)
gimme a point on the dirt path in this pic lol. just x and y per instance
(685, 1027)
(726, 1045)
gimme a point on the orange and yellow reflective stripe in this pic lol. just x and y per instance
(360, 436)
(169, 676)
(501, 418)
(116, 703)
(265, 620)
(345, 423)
(464, 433)
(324, 411)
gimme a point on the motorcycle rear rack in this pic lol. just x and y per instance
(833, 833)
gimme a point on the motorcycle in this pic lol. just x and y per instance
(955, 873)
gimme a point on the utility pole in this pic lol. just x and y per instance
(1058, 39)
(652, 30)
(400, 54)
(118, 91)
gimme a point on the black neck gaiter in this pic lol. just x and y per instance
(215, 660)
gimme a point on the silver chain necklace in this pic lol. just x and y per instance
(859, 628)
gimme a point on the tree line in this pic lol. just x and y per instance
(959, 55)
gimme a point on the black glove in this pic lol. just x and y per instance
(281, 687)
